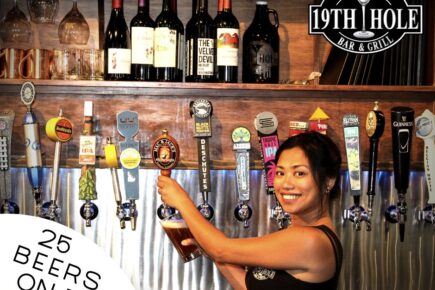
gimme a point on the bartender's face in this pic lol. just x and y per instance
(294, 183)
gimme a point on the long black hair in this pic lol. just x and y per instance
(323, 155)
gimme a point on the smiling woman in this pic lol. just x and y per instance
(307, 175)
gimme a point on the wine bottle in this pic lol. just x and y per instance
(142, 44)
(261, 47)
(228, 33)
(117, 48)
(200, 40)
(188, 49)
(168, 44)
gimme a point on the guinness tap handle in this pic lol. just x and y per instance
(402, 124)
(402, 121)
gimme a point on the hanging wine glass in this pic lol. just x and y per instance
(73, 29)
(43, 11)
(15, 27)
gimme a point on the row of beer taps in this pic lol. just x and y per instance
(59, 130)
(402, 124)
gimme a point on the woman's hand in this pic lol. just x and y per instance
(171, 192)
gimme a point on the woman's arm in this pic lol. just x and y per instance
(234, 274)
(293, 248)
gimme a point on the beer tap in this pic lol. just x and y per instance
(6, 128)
(112, 163)
(425, 129)
(33, 144)
(355, 213)
(402, 123)
(165, 154)
(59, 130)
(202, 110)
(87, 182)
(266, 125)
(375, 124)
(128, 126)
(241, 138)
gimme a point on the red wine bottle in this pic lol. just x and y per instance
(142, 44)
(227, 45)
(168, 44)
(200, 40)
(188, 48)
(261, 47)
(117, 48)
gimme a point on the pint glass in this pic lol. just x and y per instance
(181, 238)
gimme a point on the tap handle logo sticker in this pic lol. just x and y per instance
(202, 110)
(165, 153)
(425, 129)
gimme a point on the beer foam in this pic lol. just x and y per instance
(172, 224)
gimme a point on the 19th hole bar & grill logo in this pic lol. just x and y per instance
(365, 26)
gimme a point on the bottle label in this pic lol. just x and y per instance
(263, 58)
(142, 45)
(227, 46)
(165, 47)
(205, 64)
(119, 60)
(189, 57)
(180, 55)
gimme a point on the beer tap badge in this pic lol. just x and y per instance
(165, 153)
(201, 109)
(365, 26)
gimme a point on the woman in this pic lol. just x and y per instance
(306, 255)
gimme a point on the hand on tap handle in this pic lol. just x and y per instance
(402, 124)
(165, 154)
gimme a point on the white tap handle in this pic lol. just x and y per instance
(425, 129)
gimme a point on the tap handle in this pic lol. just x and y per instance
(402, 124)
(425, 129)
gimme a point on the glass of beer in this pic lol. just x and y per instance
(181, 238)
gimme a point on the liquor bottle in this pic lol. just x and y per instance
(227, 44)
(168, 43)
(261, 47)
(142, 44)
(200, 41)
(117, 48)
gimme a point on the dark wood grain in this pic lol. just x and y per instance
(167, 106)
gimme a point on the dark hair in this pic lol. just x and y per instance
(324, 158)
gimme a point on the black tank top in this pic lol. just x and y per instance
(258, 278)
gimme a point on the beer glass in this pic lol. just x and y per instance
(36, 64)
(66, 64)
(10, 59)
(181, 237)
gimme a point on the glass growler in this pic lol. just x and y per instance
(261, 47)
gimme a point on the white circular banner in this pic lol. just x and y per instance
(36, 253)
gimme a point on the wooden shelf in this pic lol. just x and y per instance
(166, 105)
